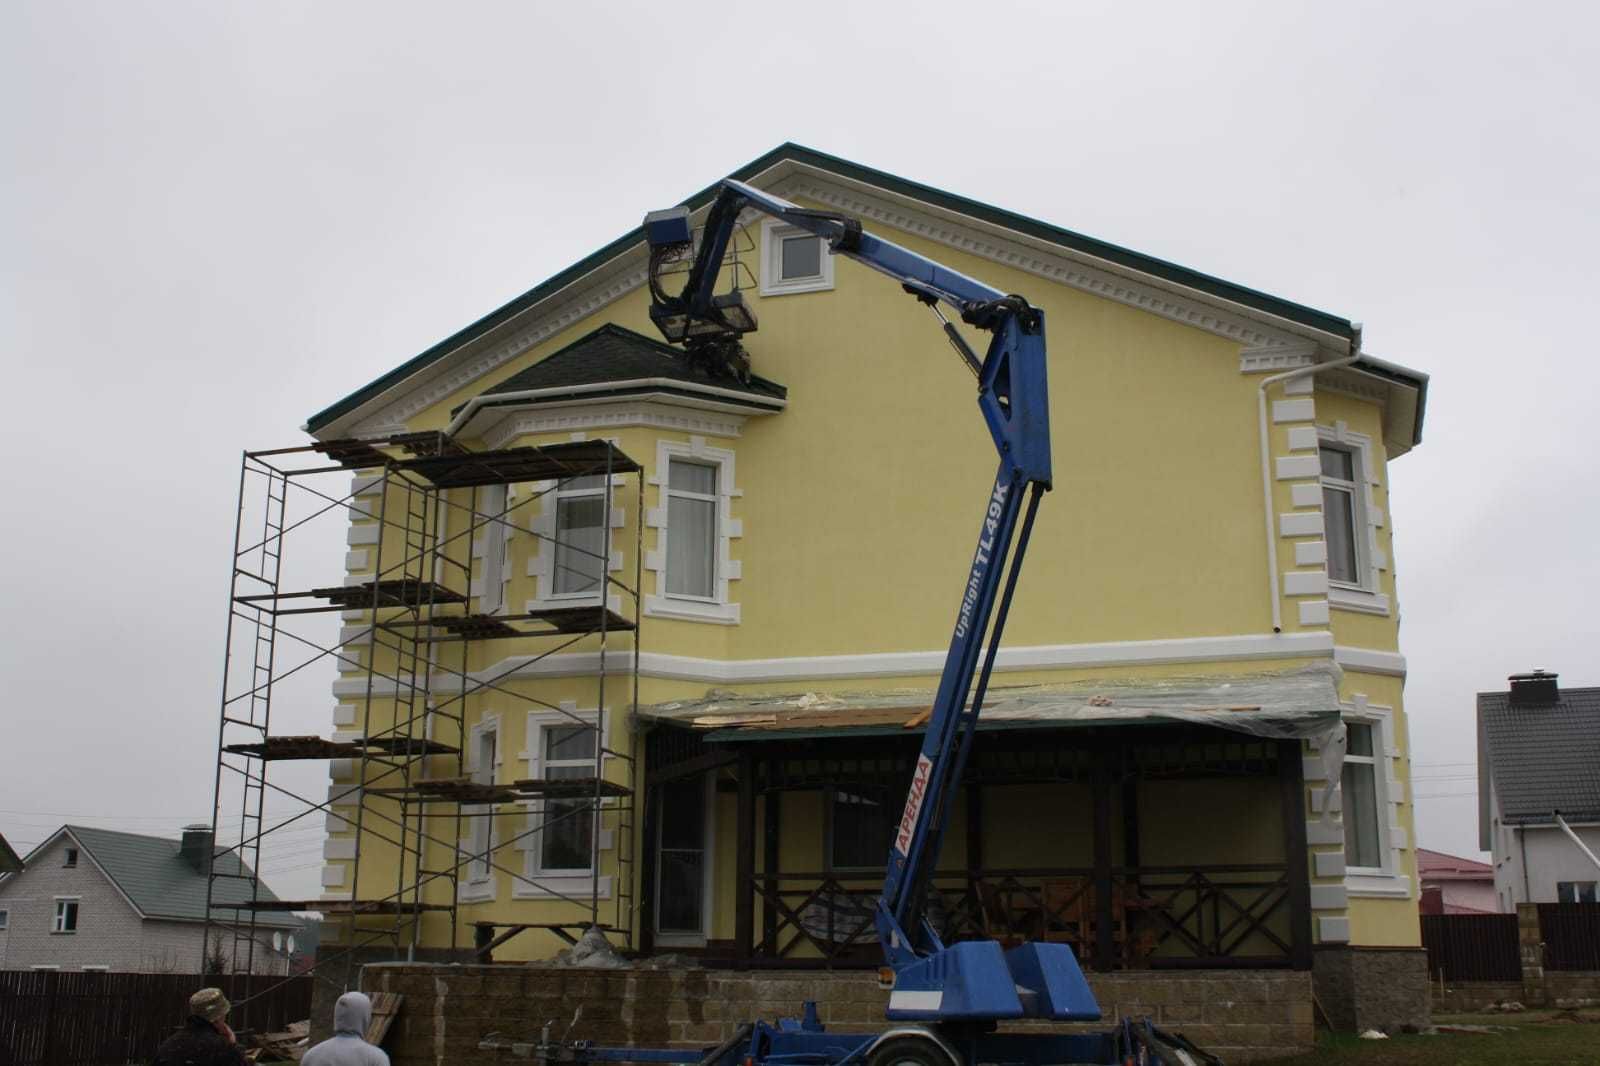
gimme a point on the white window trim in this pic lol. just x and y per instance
(99, 968)
(1387, 881)
(491, 547)
(46, 966)
(1364, 596)
(56, 915)
(773, 283)
(708, 879)
(542, 560)
(536, 883)
(720, 610)
(474, 888)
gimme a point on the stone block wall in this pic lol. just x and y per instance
(449, 1010)
(1372, 988)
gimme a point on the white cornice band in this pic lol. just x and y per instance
(1243, 648)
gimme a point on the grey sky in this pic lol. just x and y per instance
(217, 218)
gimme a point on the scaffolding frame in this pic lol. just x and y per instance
(411, 610)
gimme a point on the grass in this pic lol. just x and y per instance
(1535, 1038)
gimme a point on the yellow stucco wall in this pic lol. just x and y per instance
(859, 504)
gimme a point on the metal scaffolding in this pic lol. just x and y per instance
(405, 650)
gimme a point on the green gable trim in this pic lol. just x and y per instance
(1307, 316)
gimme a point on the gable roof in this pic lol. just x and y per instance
(10, 861)
(160, 884)
(629, 363)
(1123, 257)
(1542, 759)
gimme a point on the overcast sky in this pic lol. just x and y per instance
(216, 219)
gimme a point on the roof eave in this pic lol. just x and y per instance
(1201, 284)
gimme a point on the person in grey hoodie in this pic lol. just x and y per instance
(348, 1046)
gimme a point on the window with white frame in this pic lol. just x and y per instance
(66, 920)
(580, 550)
(564, 840)
(97, 969)
(480, 836)
(692, 507)
(793, 260)
(1361, 785)
(1575, 891)
(1344, 515)
(494, 531)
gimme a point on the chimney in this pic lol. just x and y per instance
(196, 847)
(1537, 689)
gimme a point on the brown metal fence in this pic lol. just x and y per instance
(1571, 935)
(48, 1018)
(1472, 947)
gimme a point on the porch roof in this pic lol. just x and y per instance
(1299, 704)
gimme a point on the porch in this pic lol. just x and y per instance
(1152, 846)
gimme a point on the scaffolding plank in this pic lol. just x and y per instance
(391, 592)
(337, 907)
(414, 746)
(552, 462)
(569, 787)
(450, 790)
(351, 453)
(554, 621)
(311, 747)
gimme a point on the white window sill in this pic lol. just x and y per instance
(476, 891)
(722, 614)
(789, 286)
(680, 940)
(1377, 884)
(571, 883)
(1357, 600)
(576, 599)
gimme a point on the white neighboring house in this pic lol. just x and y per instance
(1539, 758)
(95, 899)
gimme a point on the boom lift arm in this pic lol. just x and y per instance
(932, 981)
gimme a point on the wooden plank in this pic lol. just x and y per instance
(744, 922)
(385, 1005)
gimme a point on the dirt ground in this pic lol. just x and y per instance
(1533, 1038)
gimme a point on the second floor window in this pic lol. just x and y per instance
(580, 547)
(1575, 892)
(491, 502)
(1362, 844)
(691, 529)
(66, 916)
(1342, 514)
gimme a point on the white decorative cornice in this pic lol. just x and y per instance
(1267, 358)
(1056, 264)
(608, 283)
(572, 304)
(565, 419)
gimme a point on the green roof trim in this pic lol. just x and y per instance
(1193, 279)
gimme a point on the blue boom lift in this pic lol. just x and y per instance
(947, 999)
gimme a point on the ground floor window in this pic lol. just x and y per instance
(1575, 891)
(1363, 845)
(566, 838)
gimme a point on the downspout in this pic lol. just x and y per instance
(1266, 467)
(1576, 839)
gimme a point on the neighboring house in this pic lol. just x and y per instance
(1453, 885)
(1539, 767)
(1215, 561)
(95, 899)
(10, 861)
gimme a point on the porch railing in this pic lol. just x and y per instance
(1148, 917)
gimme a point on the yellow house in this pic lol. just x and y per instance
(1209, 593)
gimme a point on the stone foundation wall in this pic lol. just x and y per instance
(1556, 988)
(448, 1010)
(1372, 988)
(336, 964)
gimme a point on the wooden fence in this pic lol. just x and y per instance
(1571, 935)
(48, 1018)
(1472, 947)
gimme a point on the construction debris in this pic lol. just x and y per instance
(592, 952)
